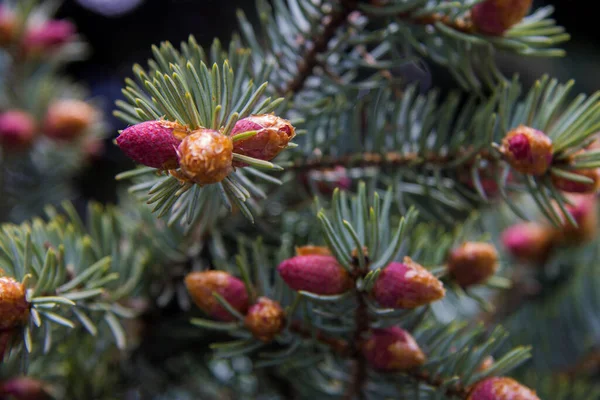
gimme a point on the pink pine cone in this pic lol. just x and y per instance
(392, 349)
(500, 388)
(494, 17)
(316, 274)
(528, 241)
(152, 143)
(202, 285)
(17, 128)
(49, 35)
(406, 285)
(273, 136)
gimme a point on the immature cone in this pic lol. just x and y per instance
(205, 156)
(202, 285)
(48, 36)
(406, 285)
(494, 17)
(14, 308)
(500, 388)
(265, 319)
(153, 143)
(578, 187)
(23, 388)
(68, 119)
(486, 364)
(7, 25)
(472, 263)
(392, 349)
(17, 129)
(527, 150)
(584, 210)
(528, 241)
(316, 274)
(273, 136)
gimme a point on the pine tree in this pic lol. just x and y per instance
(305, 223)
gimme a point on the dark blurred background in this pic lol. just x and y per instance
(120, 33)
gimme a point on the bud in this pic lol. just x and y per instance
(392, 349)
(527, 150)
(313, 250)
(153, 143)
(67, 119)
(316, 274)
(273, 136)
(585, 212)
(494, 17)
(205, 156)
(407, 285)
(528, 241)
(500, 388)
(14, 308)
(8, 24)
(202, 285)
(23, 388)
(48, 36)
(578, 187)
(17, 129)
(265, 319)
(486, 364)
(473, 263)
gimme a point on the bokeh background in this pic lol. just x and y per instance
(121, 32)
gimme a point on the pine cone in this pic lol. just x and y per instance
(273, 136)
(473, 263)
(17, 129)
(153, 143)
(499, 388)
(265, 319)
(316, 274)
(14, 308)
(392, 349)
(528, 241)
(202, 285)
(68, 119)
(578, 187)
(494, 17)
(205, 156)
(527, 150)
(584, 210)
(48, 36)
(407, 285)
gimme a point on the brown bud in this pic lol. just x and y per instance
(392, 349)
(500, 388)
(473, 263)
(202, 285)
(206, 156)
(265, 319)
(312, 250)
(527, 150)
(407, 285)
(14, 308)
(68, 119)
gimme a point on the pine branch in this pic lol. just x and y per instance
(320, 44)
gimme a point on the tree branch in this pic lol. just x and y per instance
(320, 43)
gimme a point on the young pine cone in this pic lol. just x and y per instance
(406, 285)
(153, 143)
(202, 285)
(273, 136)
(579, 187)
(205, 156)
(14, 308)
(528, 241)
(494, 17)
(472, 263)
(48, 36)
(316, 274)
(499, 388)
(392, 349)
(68, 119)
(17, 129)
(584, 209)
(527, 150)
(265, 319)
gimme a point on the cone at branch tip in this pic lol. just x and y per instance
(202, 285)
(392, 349)
(265, 319)
(472, 263)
